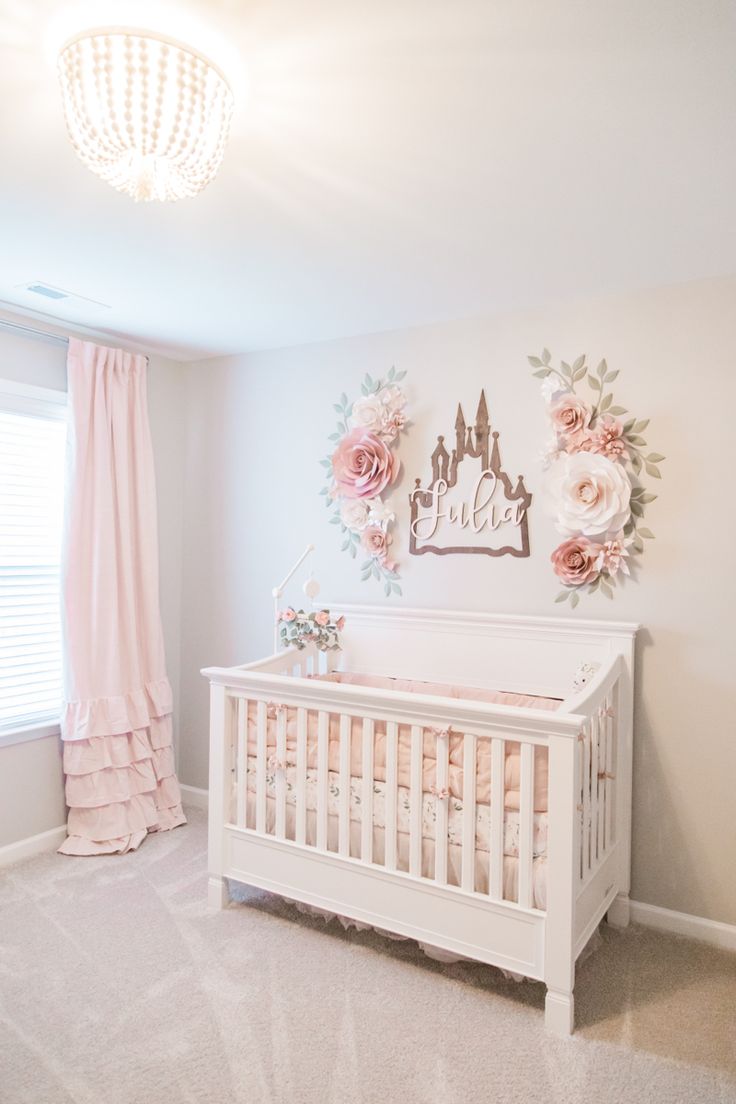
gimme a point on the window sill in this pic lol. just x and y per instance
(31, 732)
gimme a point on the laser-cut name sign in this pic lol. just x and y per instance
(470, 508)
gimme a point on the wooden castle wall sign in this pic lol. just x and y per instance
(470, 508)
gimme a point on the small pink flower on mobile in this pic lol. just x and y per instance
(288, 614)
(340, 624)
(322, 618)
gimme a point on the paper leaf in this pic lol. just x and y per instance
(637, 545)
(594, 383)
(336, 407)
(635, 440)
(655, 457)
(636, 462)
(617, 410)
(534, 361)
(546, 356)
(542, 373)
(353, 551)
(345, 545)
(641, 426)
(566, 369)
(574, 599)
(610, 376)
(578, 363)
(636, 508)
(579, 374)
(653, 471)
(335, 520)
(400, 375)
(606, 589)
(628, 426)
(602, 369)
(397, 589)
(562, 596)
(646, 533)
(605, 403)
(647, 497)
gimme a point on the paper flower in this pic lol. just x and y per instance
(363, 465)
(576, 561)
(589, 494)
(608, 438)
(354, 514)
(375, 541)
(570, 417)
(368, 413)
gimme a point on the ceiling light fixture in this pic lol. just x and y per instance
(147, 114)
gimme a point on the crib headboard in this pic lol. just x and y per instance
(537, 655)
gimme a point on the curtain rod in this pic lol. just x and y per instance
(34, 332)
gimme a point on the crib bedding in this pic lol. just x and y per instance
(512, 764)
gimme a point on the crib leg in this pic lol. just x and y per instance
(218, 896)
(559, 1012)
(619, 913)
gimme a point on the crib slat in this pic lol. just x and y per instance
(323, 724)
(415, 802)
(344, 805)
(366, 810)
(280, 775)
(261, 733)
(526, 825)
(300, 833)
(241, 764)
(586, 798)
(594, 737)
(468, 878)
(602, 783)
(498, 766)
(442, 804)
(391, 793)
(610, 781)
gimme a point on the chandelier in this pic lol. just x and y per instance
(148, 115)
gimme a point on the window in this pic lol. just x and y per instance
(32, 444)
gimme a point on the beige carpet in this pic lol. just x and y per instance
(117, 987)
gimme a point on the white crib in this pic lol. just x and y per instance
(258, 838)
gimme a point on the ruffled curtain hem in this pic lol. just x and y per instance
(116, 716)
(119, 788)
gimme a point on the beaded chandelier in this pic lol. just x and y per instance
(150, 116)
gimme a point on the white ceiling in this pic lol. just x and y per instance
(395, 162)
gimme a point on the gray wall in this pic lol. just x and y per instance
(257, 426)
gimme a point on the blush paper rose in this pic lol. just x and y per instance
(576, 561)
(570, 418)
(363, 465)
(589, 495)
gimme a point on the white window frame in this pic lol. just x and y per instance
(46, 402)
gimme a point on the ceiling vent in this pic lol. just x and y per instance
(58, 295)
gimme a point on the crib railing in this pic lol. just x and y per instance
(310, 804)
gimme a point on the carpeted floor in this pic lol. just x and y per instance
(118, 987)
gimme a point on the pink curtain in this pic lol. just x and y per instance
(116, 723)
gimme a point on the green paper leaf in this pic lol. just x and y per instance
(392, 373)
(637, 545)
(574, 599)
(641, 426)
(581, 372)
(387, 589)
(546, 356)
(646, 533)
(635, 440)
(344, 546)
(566, 369)
(647, 497)
(606, 589)
(636, 508)
(610, 376)
(636, 462)
(628, 426)
(335, 520)
(655, 457)
(602, 369)
(534, 361)
(594, 383)
(617, 410)
(542, 373)
(336, 407)
(605, 403)
(562, 596)
(578, 363)
(653, 471)
(353, 551)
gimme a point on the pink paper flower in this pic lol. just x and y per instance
(340, 624)
(393, 426)
(571, 418)
(612, 557)
(376, 542)
(575, 561)
(322, 618)
(288, 614)
(363, 465)
(608, 438)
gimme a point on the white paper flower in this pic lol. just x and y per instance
(380, 513)
(354, 513)
(588, 494)
(392, 399)
(368, 413)
(552, 388)
(550, 453)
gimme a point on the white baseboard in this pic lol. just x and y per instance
(682, 923)
(33, 845)
(193, 795)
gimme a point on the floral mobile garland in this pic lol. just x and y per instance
(594, 464)
(363, 468)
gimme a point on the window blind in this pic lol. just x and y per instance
(32, 445)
